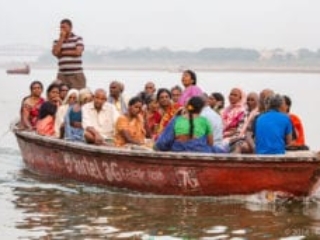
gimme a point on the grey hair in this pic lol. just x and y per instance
(274, 102)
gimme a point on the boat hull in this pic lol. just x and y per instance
(168, 173)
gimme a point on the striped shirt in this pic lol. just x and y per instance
(70, 64)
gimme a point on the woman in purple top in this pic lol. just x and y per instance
(189, 81)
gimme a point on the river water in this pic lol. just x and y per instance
(34, 207)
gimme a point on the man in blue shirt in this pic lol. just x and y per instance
(273, 129)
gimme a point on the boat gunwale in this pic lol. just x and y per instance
(212, 157)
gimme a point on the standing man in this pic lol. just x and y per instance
(68, 49)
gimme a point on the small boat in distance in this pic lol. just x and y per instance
(24, 70)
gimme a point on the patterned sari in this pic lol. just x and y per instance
(167, 116)
(232, 117)
(31, 110)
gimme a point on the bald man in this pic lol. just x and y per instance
(98, 119)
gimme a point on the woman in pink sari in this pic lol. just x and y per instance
(30, 106)
(233, 115)
(189, 81)
(246, 141)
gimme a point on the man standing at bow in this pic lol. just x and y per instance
(68, 49)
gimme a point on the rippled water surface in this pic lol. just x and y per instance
(35, 207)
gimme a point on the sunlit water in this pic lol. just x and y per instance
(33, 207)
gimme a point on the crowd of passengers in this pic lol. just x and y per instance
(176, 119)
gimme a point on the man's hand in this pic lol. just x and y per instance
(63, 35)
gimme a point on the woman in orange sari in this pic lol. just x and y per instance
(130, 126)
(167, 108)
(298, 138)
(30, 106)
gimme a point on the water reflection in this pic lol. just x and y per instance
(55, 209)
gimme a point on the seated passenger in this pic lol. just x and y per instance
(73, 130)
(298, 140)
(216, 101)
(233, 115)
(30, 106)
(130, 126)
(245, 143)
(63, 90)
(98, 119)
(188, 132)
(215, 120)
(70, 99)
(47, 112)
(117, 98)
(272, 129)
(151, 116)
(167, 109)
(176, 93)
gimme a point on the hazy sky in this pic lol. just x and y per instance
(176, 24)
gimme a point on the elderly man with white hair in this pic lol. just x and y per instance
(273, 129)
(98, 119)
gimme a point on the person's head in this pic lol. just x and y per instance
(63, 89)
(36, 88)
(115, 89)
(216, 100)
(176, 92)
(134, 106)
(72, 97)
(151, 102)
(150, 88)
(286, 106)
(252, 100)
(264, 94)
(274, 102)
(99, 98)
(235, 96)
(195, 104)
(164, 97)
(85, 96)
(189, 78)
(53, 93)
(66, 25)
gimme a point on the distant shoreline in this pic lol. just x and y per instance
(249, 69)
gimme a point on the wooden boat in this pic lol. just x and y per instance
(169, 173)
(24, 70)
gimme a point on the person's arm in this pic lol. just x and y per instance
(75, 53)
(56, 50)
(25, 117)
(288, 139)
(210, 139)
(288, 131)
(127, 136)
